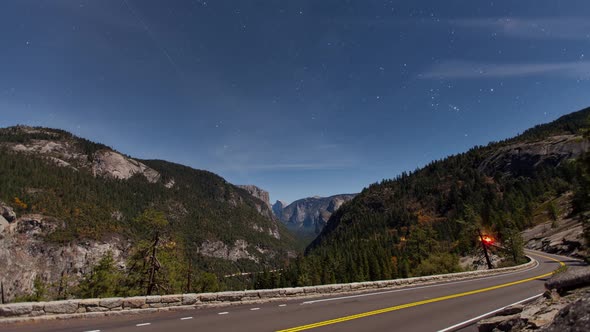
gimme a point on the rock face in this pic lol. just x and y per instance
(562, 236)
(112, 164)
(26, 256)
(310, 215)
(574, 317)
(278, 207)
(7, 212)
(522, 158)
(218, 249)
(65, 150)
(261, 194)
(264, 209)
(561, 241)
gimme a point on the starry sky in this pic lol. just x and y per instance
(300, 97)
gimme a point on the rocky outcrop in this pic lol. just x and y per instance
(7, 212)
(575, 277)
(562, 236)
(521, 159)
(265, 209)
(64, 150)
(25, 255)
(261, 194)
(574, 317)
(310, 215)
(278, 207)
(113, 164)
(568, 311)
(218, 249)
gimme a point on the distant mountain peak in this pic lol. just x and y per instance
(309, 215)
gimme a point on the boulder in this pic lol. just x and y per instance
(543, 319)
(574, 277)
(512, 310)
(4, 225)
(501, 323)
(574, 317)
(7, 212)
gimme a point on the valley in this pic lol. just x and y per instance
(69, 204)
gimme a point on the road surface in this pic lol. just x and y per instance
(447, 306)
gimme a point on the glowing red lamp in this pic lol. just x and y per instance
(488, 240)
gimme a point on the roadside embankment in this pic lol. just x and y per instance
(565, 306)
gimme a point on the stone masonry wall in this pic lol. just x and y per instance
(18, 312)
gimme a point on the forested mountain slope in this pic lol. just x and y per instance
(420, 222)
(75, 201)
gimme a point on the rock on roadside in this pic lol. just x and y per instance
(564, 307)
(574, 317)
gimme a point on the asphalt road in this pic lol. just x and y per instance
(443, 306)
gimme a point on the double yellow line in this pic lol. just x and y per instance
(419, 303)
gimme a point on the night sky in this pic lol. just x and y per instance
(301, 98)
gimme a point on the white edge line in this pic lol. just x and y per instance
(93, 331)
(143, 324)
(186, 318)
(223, 313)
(467, 322)
(422, 287)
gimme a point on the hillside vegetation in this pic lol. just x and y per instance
(421, 222)
(198, 210)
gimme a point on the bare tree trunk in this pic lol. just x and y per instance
(189, 275)
(153, 266)
(485, 250)
(2, 301)
(60, 289)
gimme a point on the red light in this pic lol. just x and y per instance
(487, 239)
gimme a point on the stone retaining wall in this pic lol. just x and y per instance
(19, 312)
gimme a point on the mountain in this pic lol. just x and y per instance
(258, 193)
(277, 208)
(421, 222)
(309, 215)
(66, 203)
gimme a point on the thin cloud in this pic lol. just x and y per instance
(542, 28)
(471, 70)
